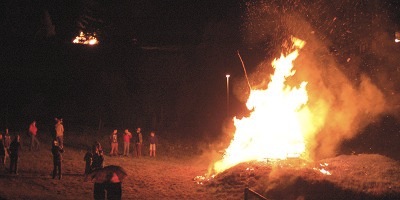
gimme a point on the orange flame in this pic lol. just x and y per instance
(278, 123)
(85, 39)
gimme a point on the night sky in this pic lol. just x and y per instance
(47, 76)
(160, 64)
(150, 22)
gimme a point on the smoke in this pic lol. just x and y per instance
(348, 61)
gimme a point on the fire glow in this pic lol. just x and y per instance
(85, 39)
(279, 120)
(322, 170)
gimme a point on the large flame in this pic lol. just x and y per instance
(278, 123)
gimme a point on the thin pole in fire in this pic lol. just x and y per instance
(244, 69)
(227, 95)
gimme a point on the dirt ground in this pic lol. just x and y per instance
(148, 178)
(365, 176)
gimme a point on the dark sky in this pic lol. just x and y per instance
(150, 21)
(155, 23)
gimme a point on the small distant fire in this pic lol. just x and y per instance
(89, 39)
(279, 120)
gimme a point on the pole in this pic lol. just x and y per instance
(227, 94)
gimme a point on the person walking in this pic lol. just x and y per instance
(127, 141)
(59, 127)
(114, 143)
(138, 142)
(153, 140)
(33, 133)
(57, 151)
(14, 150)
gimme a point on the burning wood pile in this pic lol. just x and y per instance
(278, 123)
(87, 39)
(273, 149)
(364, 176)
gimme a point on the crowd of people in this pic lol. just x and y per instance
(94, 158)
(10, 148)
(138, 141)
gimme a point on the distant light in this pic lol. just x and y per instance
(397, 40)
(89, 39)
(227, 76)
(397, 36)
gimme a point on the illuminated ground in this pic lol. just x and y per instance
(364, 176)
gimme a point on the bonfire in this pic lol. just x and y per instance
(89, 39)
(279, 120)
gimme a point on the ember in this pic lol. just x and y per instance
(279, 121)
(86, 39)
(322, 170)
(203, 179)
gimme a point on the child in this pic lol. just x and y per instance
(88, 160)
(114, 143)
(153, 141)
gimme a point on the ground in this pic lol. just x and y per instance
(148, 178)
(364, 176)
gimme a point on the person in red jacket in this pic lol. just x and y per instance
(33, 133)
(127, 141)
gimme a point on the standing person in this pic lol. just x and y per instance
(15, 147)
(57, 151)
(138, 142)
(2, 152)
(114, 143)
(7, 142)
(153, 141)
(98, 157)
(88, 158)
(59, 127)
(33, 133)
(127, 141)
